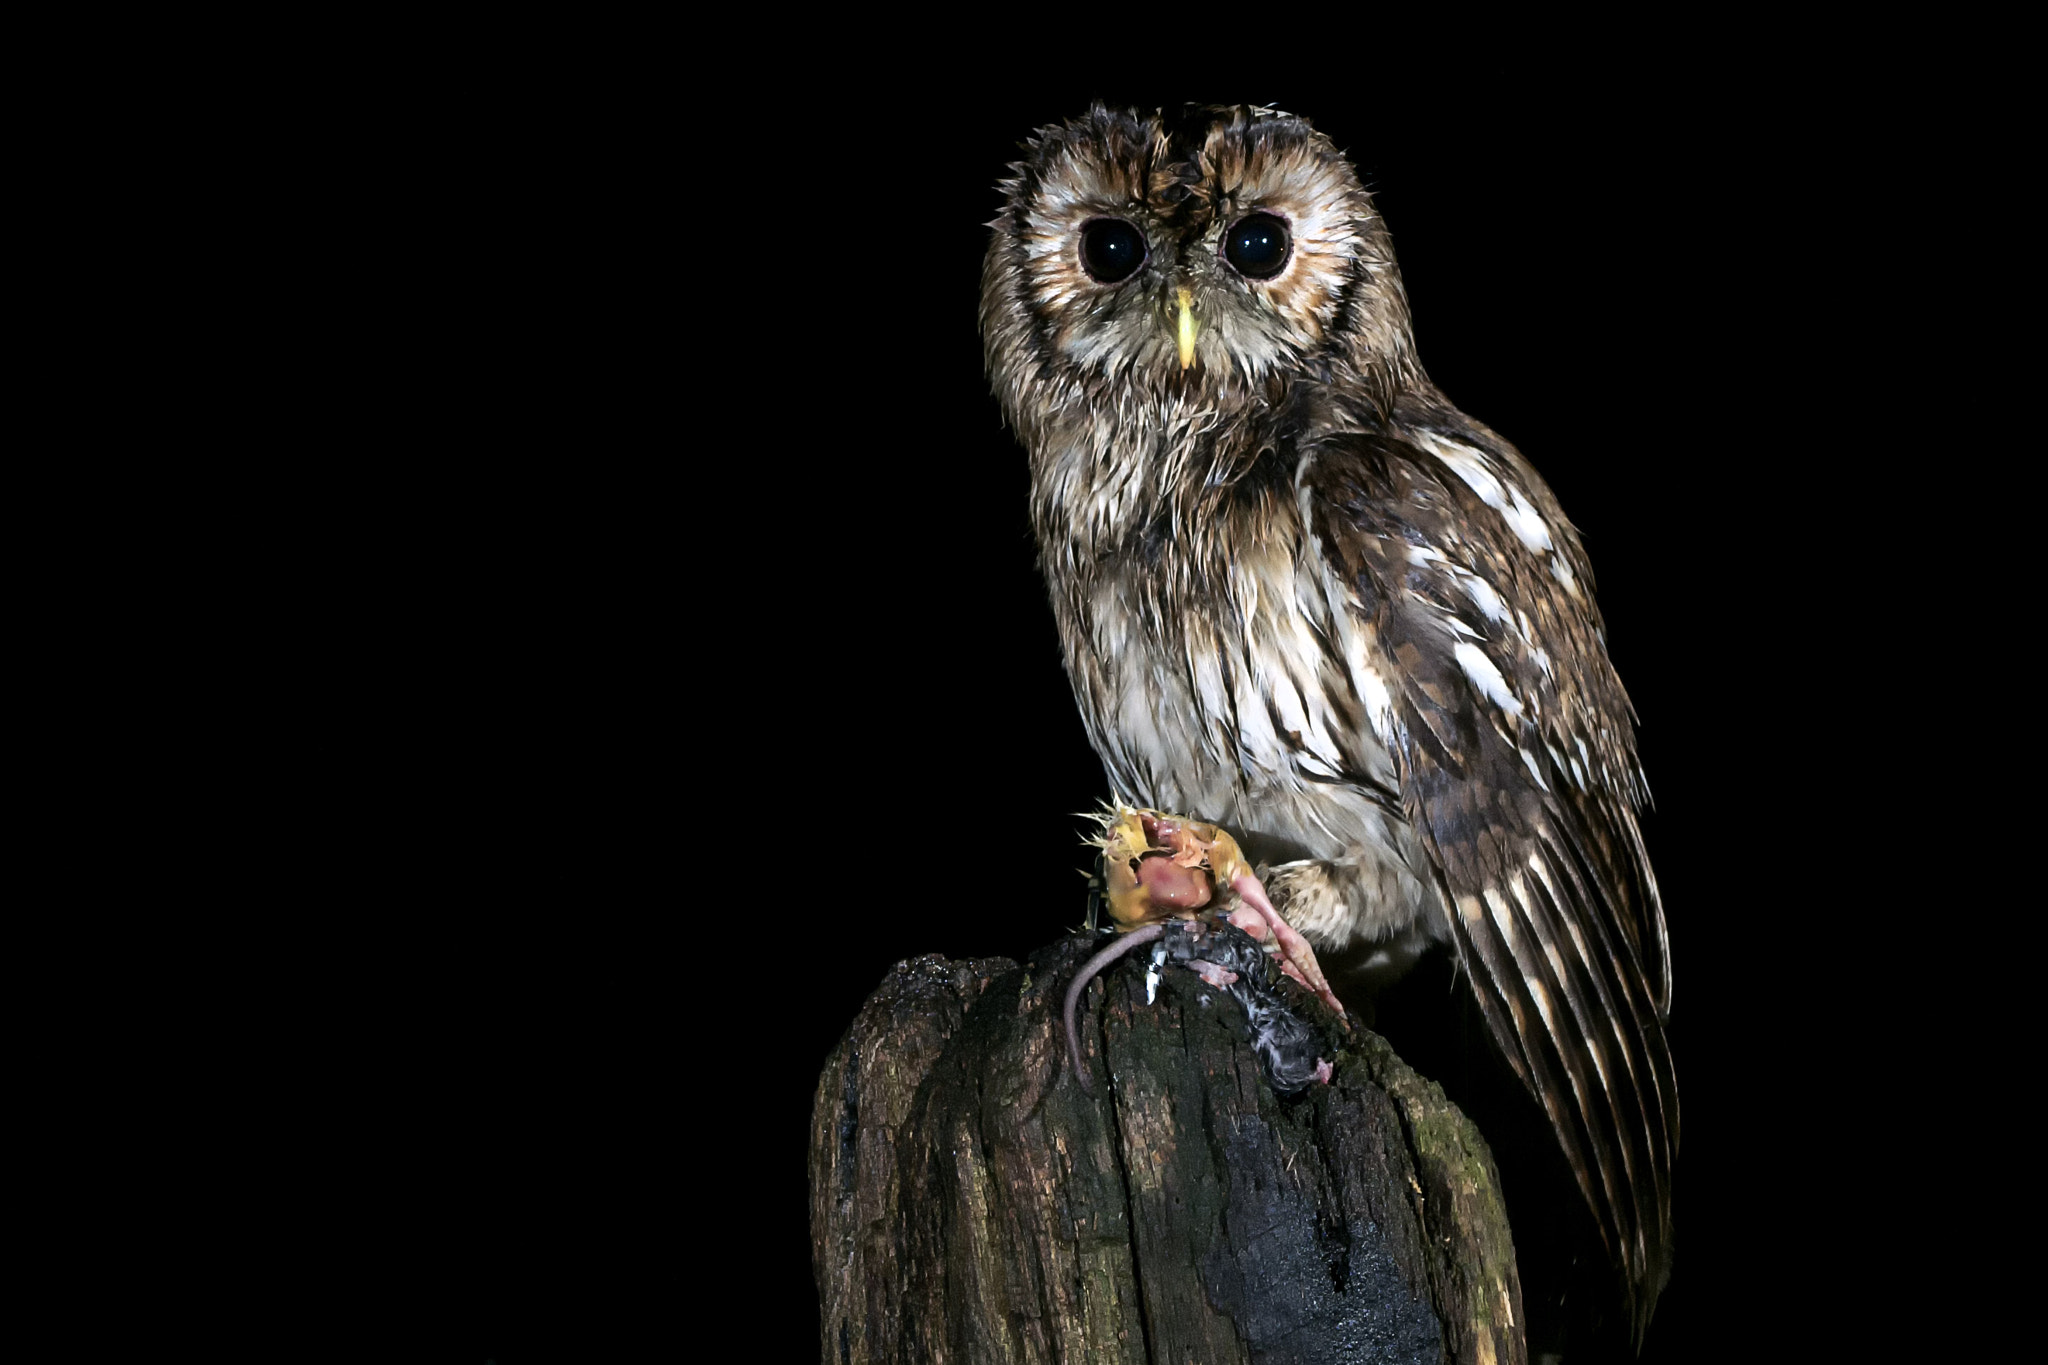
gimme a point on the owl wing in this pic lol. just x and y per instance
(1484, 669)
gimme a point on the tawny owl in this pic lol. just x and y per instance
(1303, 597)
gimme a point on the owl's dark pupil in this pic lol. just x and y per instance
(1257, 246)
(1112, 249)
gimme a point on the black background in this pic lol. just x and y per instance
(705, 609)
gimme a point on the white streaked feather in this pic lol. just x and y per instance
(1486, 677)
(1487, 600)
(1476, 470)
(1557, 967)
(1571, 928)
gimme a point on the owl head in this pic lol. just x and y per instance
(1207, 259)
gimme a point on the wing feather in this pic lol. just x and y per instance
(1516, 750)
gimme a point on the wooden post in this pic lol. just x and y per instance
(970, 1202)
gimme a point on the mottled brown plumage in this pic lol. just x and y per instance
(1303, 597)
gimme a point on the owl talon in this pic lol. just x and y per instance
(1257, 917)
(1158, 866)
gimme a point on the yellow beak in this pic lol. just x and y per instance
(1187, 330)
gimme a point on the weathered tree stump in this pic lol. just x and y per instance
(971, 1202)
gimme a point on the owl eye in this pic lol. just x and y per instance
(1257, 246)
(1112, 249)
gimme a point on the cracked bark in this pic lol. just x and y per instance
(970, 1202)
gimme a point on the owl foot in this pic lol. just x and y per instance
(1158, 866)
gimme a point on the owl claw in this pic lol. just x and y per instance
(1258, 918)
(1159, 866)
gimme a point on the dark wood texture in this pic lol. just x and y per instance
(970, 1202)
